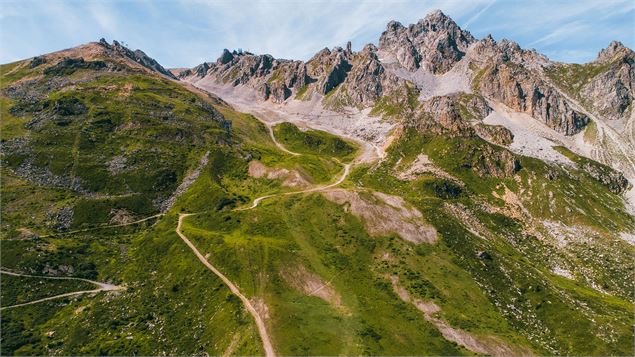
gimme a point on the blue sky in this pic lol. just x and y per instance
(184, 33)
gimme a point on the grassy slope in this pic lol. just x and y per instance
(556, 314)
(165, 127)
(17, 290)
(158, 128)
(254, 247)
(160, 273)
(312, 142)
(174, 305)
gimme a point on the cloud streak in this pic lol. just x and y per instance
(186, 32)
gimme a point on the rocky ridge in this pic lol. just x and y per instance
(500, 71)
(435, 52)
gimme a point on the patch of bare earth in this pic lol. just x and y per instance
(26, 233)
(128, 126)
(384, 214)
(120, 216)
(126, 90)
(488, 345)
(311, 284)
(261, 307)
(423, 165)
(517, 210)
(290, 178)
(232, 345)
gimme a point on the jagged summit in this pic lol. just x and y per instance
(137, 55)
(434, 43)
(418, 55)
(614, 50)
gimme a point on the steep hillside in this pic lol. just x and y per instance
(433, 195)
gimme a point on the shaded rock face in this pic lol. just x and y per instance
(522, 91)
(329, 68)
(278, 92)
(496, 134)
(36, 61)
(271, 78)
(612, 179)
(367, 80)
(201, 69)
(435, 43)
(361, 74)
(336, 75)
(489, 162)
(611, 92)
(69, 65)
(226, 57)
(451, 114)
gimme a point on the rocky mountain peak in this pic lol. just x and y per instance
(225, 57)
(614, 50)
(434, 43)
(437, 21)
(394, 26)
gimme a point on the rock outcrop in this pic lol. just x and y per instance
(435, 43)
(496, 134)
(523, 91)
(451, 114)
(137, 56)
(329, 68)
(433, 47)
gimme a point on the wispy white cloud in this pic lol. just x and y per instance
(560, 33)
(478, 14)
(186, 32)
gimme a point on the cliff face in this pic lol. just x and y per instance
(361, 75)
(522, 91)
(611, 92)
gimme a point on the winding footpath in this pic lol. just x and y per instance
(101, 287)
(347, 169)
(262, 330)
(273, 137)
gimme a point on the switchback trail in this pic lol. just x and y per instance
(262, 330)
(273, 137)
(347, 169)
(102, 287)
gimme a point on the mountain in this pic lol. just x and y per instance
(437, 58)
(434, 194)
